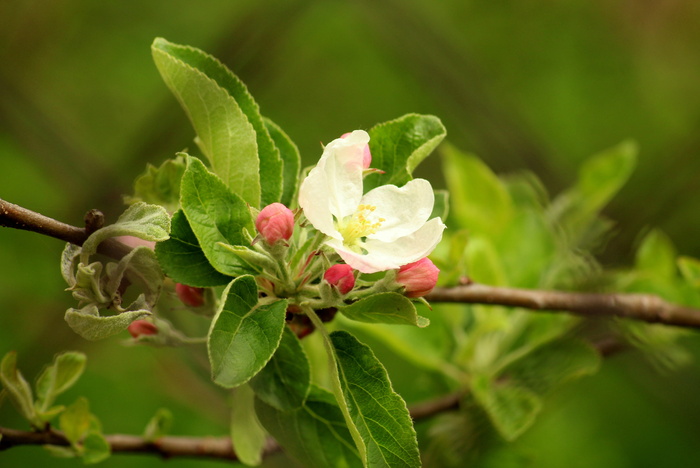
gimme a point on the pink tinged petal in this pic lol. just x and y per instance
(134, 242)
(366, 154)
(403, 210)
(418, 278)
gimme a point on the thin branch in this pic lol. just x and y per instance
(643, 307)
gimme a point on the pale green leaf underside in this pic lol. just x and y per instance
(247, 435)
(88, 323)
(386, 307)
(379, 414)
(244, 335)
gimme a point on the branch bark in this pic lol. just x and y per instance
(643, 307)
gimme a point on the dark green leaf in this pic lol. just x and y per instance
(216, 215)
(379, 413)
(244, 335)
(182, 258)
(398, 146)
(386, 307)
(291, 158)
(284, 381)
(315, 434)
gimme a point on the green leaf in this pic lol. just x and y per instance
(247, 435)
(18, 389)
(484, 263)
(88, 323)
(75, 420)
(379, 413)
(227, 120)
(315, 434)
(552, 365)
(441, 208)
(158, 425)
(95, 448)
(388, 307)
(216, 215)
(690, 269)
(512, 408)
(182, 258)
(657, 255)
(147, 222)
(398, 146)
(292, 162)
(480, 201)
(284, 382)
(244, 334)
(141, 268)
(160, 185)
(65, 370)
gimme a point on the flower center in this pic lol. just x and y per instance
(356, 227)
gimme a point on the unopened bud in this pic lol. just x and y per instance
(189, 295)
(275, 223)
(341, 276)
(133, 242)
(419, 278)
(142, 327)
(366, 155)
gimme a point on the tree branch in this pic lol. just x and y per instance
(643, 307)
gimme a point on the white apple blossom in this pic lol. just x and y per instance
(384, 229)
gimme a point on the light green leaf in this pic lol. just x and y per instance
(75, 420)
(398, 146)
(141, 268)
(441, 208)
(18, 389)
(292, 161)
(59, 451)
(95, 448)
(379, 414)
(244, 334)
(315, 434)
(88, 323)
(227, 120)
(484, 263)
(388, 307)
(182, 258)
(284, 382)
(247, 435)
(690, 269)
(160, 185)
(65, 370)
(147, 222)
(512, 408)
(216, 215)
(657, 255)
(158, 425)
(69, 261)
(480, 201)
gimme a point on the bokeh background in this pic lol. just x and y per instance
(537, 85)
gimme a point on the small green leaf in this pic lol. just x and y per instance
(398, 146)
(657, 255)
(216, 215)
(315, 434)
(379, 413)
(160, 185)
(247, 435)
(690, 269)
(292, 161)
(159, 425)
(388, 307)
(95, 448)
(88, 323)
(441, 208)
(227, 120)
(69, 261)
(147, 222)
(480, 201)
(59, 451)
(75, 420)
(284, 382)
(182, 258)
(65, 370)
(18, 389)
(140, 267)
(484, 264)
(512, 408)
(244, 335)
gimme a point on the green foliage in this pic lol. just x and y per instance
(291, 159)
(62, 374)
(83, 431)
(388, 307)
(88, 323)
(18, 388)
(160, 185)
(247, 435)
(244, 334)
(159, 425)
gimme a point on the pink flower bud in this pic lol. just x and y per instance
(341, 276)
(275, 222)
(191, 296)
(419, 278)
(366, 155)
(142, 327)
(134, 242)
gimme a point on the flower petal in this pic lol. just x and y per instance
(404, 209)
(391, 255)
(334, 186)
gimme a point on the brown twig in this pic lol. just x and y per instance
(643, 307)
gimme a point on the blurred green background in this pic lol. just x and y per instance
(523, 84)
